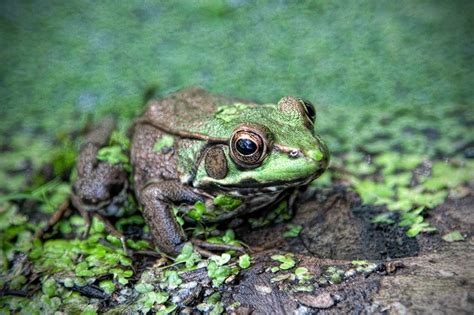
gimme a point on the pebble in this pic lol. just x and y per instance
(323, 300)
(263, 289)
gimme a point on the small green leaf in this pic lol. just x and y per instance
(214, 298)
(161, 297)
(282, 277)
(302, 274)
(244, 261)
(112, 155)
(293, 230)
(383, 218)
(173, 279)
(222, 259)
(227, 203)
(68, 282)
(197, 211)
(287, 261)
(419, 227)
(218, 273)
(49, 287)
(229, 236)
(372, 192)
(453, 236)
(188, 256)
(114, 240)
(335, 278)
(218, 309)
(144, 287)
(108, 286)
(300, 271)
(275, 269)
(186, 252)
(89, 311)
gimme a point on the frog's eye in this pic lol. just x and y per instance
(309, 110)
(248, 146)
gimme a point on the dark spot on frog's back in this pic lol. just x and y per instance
(216, 163)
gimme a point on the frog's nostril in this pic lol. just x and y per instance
(294, 153)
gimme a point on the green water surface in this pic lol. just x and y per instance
(62, 60)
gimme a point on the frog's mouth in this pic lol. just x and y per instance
(251, 187)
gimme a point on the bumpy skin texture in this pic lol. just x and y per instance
(185, 148)
(100, 186)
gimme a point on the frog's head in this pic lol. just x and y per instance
(269, 147)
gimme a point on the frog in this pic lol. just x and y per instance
(194, 146)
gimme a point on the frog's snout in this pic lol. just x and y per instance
(320, 155)
(315, 154)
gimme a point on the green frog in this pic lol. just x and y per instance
(194, 146)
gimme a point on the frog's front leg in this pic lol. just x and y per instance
(157, 199)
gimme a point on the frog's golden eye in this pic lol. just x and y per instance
(248, 146)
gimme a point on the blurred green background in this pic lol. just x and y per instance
(62, 60)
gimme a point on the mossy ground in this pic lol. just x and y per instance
(391, 81)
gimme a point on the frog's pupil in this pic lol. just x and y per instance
(246, 146)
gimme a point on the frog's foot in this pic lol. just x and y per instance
(207, 249)
(292, 202)
(86, 215)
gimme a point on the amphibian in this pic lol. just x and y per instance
(193, 146)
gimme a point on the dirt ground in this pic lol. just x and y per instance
(422, 275)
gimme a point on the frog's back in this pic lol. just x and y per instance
(186, 110)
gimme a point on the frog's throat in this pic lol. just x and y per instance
(181, 133)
